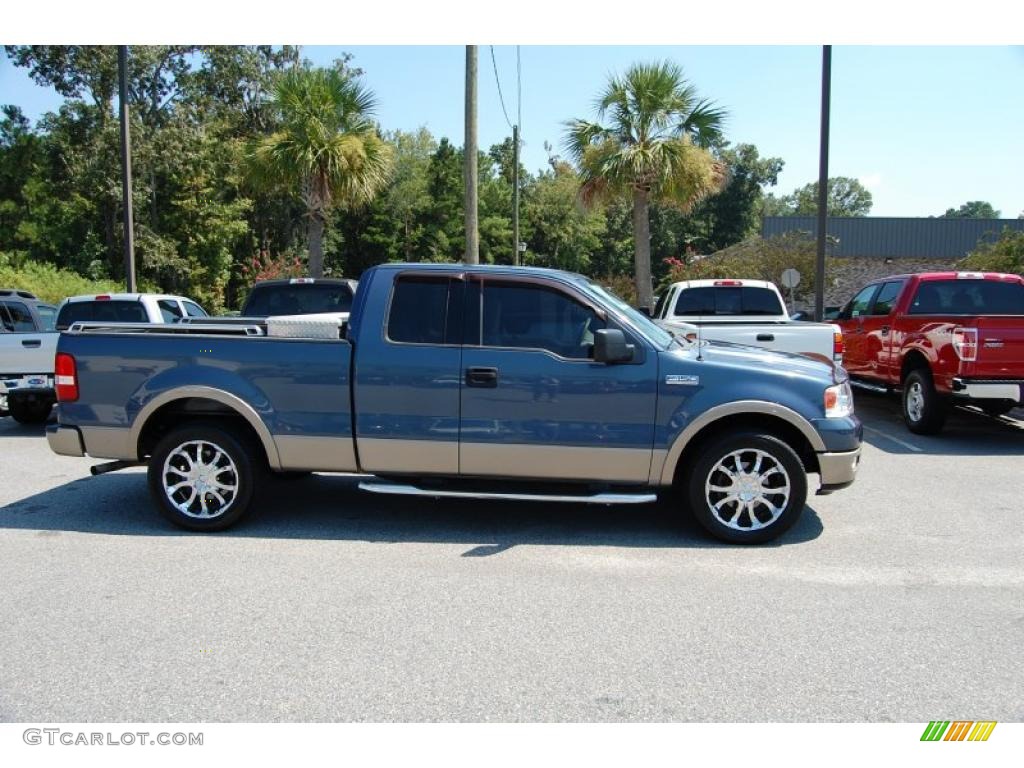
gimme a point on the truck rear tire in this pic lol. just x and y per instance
(747, 488)
(29, 411)
(924, 409)
(203, 477)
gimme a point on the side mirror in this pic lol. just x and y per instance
(610, 346)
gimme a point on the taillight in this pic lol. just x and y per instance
(728, 282)
(837, 345)
(965, 343)
(65, 376)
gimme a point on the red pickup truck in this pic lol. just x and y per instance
(940, 337)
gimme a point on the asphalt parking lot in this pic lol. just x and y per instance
(899, 599)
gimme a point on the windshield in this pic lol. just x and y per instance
(656, 335)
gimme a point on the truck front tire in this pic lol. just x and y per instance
(924, 409)
(747, 487)
(203, 476)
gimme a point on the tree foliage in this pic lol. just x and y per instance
(205, 229)
(973, 209)
(846, 197)
(1004, 255)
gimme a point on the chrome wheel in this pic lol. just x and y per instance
(915, 401)
(200, 479)
(747, 489)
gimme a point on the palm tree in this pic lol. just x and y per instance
(654, 146)
(326, 148)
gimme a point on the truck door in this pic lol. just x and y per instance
(407, 378)
(877, 332)
(851, 320)
(534, 402)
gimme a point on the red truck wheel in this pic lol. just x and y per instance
(924, 409)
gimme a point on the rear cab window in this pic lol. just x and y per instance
(112, 311)
(728, 300)
(968, 297)
(298, 299)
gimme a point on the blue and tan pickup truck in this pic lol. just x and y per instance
(461, 381)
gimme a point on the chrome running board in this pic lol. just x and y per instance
(869, 386)
(397, 489)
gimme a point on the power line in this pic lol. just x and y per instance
(501, 98)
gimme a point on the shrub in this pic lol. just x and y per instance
(47, 281)
(1004, 255)
(753, 259)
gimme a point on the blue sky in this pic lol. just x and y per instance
(925, 128)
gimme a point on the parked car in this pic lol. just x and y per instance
(26, 356)
(940, 338)
(464, 381)
(300, 296)
(126, 308)
(749, 312)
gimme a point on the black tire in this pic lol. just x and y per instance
(241, 468)
(924, 409)
(29, 411)
(774, 512)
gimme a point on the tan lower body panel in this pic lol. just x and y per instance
(109, 443)
(556, 462)
(317, 454)
(419, 457)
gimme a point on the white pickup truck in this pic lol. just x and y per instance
(749, 312)
(30, 329)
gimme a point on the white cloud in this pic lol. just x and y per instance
(871, 180)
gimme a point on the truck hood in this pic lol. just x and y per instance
(743, 357)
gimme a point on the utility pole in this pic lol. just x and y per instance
(515, 195)
(826, 97)
(126, 171)
(472, 255)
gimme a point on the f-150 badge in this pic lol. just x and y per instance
(680, 380)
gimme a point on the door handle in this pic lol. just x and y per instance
(766, 337)
(481, 377)
(884, 330)
(31, 343)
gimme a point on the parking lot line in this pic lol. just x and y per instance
(904, 443)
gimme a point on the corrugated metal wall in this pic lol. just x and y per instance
(897, 238)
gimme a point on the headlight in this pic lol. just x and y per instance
(838, 401)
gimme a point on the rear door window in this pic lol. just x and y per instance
(170, 312)
(47, 316)
(419, 310)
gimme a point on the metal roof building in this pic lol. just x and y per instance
(880, 237)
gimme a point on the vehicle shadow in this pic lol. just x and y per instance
(333, 508)
(10, 428)
(967, 432)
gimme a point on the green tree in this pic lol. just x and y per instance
(558, 231)
(1004, 255)
(973, 209)
(326, 149)
(846, 197)
(652, 147)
